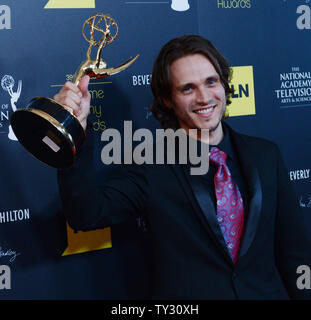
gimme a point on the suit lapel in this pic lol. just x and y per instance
(196, 191)
(251, 176)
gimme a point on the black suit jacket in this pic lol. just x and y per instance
(191, 260)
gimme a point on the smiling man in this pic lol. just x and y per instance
(234, 233)
(198, 96)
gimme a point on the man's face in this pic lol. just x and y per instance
(198, 96)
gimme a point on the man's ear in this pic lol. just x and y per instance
(167, 103)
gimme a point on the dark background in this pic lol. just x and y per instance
(45, 45)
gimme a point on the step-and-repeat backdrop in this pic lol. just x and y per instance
(266, 42)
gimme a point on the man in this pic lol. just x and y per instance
(234, 233)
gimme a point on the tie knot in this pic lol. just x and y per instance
(217, 156)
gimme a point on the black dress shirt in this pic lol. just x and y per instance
(235, 169)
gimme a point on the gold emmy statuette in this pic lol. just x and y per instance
(45, 128)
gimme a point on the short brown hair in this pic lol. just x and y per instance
(161, 85)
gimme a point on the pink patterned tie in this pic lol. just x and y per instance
(230, 210)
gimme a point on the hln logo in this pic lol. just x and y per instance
(70, 4)
(5, 277)
(243, 98)
(304, 20)
(5, 17)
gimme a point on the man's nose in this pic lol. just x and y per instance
(203, 96)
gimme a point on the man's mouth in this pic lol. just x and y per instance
(205, 111)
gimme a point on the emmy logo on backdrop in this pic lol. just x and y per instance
(7, 84)
(180, 5)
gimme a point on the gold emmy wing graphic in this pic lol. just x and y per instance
(45, 128)
(70, 4)
(81, 242)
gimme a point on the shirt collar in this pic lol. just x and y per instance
(225, 144)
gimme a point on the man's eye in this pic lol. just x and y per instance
(212, 81)
(187, 89)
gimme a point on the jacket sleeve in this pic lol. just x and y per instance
(293, 242)
(89, 205)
